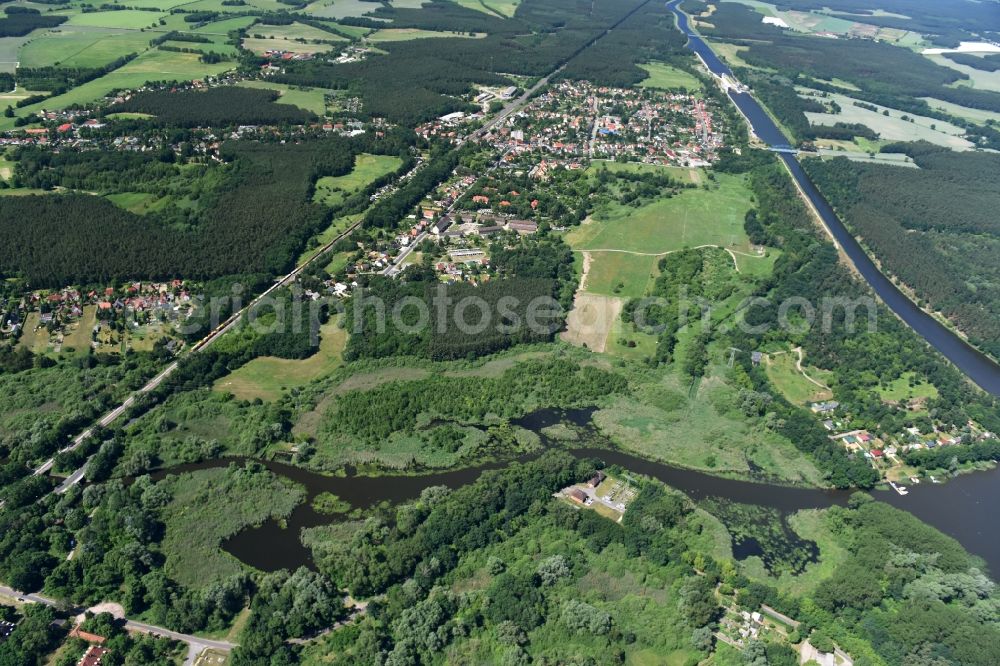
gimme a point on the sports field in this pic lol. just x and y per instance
(310, 99)
(662, 75)
(267, 377)
(332, 190)
(693, 218)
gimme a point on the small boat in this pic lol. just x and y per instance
(899, 489)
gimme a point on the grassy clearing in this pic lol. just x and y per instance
(310, 99)
(683, 174)
(793, 385)
(77, 340)
(211, 505)
(662, 75)
(620, 274)
(336, 227)
(405, 34)
(332, 190)
(268, 377)
(695, 217)
(150, 66)
(975, 115)
(906, 389)
(977, 77)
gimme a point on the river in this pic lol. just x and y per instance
(962, 508)
(978, 367)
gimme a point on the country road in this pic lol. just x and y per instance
(196, 644)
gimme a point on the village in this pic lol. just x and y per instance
(885, 451)
(135, 316)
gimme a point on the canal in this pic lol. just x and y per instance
(978, 367)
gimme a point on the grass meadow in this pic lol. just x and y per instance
(267, 377)
(310, 99)
(663, 76)
(785, 377)
(332, 190)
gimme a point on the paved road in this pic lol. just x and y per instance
(196, 644)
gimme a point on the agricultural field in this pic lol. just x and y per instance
(662, 75)
(338, 9)
(82, 47)
(310, 99)
(975, 115)
(977, 77)
(405, 34)
(267, 377)
(150, 66)
(10, 48)
(891, 127)
(794, 385)
(293, 32)
(261, 46)
(332, 190)
(131, 19)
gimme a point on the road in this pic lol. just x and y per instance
(196, 644)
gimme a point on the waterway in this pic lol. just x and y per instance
(962, 509)
(978, 367)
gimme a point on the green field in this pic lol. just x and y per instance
(901, 390)
(293, 31)
(620, 274)
(404, 34)
(267, 377)
(975, 115)
(332, 190)
(338, 9)
(132, 19)
(337, 225)
(310, 99)
(261, 46)
(662, 75)
(82, 47)
(793, 385)
(150, 66)
(693, 218)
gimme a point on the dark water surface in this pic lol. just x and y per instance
(977, 366)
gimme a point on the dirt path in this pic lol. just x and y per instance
(587, 258)
(798, 366)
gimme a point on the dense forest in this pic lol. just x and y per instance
(935, 228)
(419, 79)
(214, 107)
(256, 220)
(20, 23)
